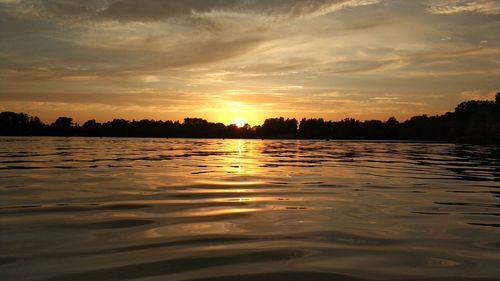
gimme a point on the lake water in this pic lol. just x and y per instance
(182, 209)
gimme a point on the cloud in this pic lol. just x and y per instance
(167, 101)
(488, 7)
(145, 56)
(478, 95)
(61, 9)
(153, 10)
(114, 63)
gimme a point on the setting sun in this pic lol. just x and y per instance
(239, 122)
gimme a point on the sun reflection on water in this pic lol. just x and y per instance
(137, 204)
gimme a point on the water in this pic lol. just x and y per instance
(179, 209)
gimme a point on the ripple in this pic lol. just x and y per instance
(320, 276)
(106, 224)
(180, 209)
(170, 266)
(485, 224)
(67, 208)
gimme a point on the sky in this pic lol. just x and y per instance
(234, 60)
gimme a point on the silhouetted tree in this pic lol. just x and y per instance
(315, 129)
(63, 123)
(91, 128)
(279, 128)
(20, 124)
(472, 121)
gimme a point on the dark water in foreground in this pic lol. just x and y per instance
(177, 209)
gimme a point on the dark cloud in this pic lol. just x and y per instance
(66, 61)
(110, 99)
(147, 10)
(62, 9)
(157, 9)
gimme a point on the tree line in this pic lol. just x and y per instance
(471, 121)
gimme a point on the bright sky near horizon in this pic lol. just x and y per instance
(227, 60)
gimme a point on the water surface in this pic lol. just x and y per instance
(181, 209)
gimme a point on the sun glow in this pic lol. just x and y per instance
(239, 122)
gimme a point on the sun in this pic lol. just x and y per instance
(239, 122)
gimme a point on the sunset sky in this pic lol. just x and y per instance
(227, 60)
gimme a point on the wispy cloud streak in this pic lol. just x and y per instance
(488, 7)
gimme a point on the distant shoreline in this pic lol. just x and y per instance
(471, 122)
